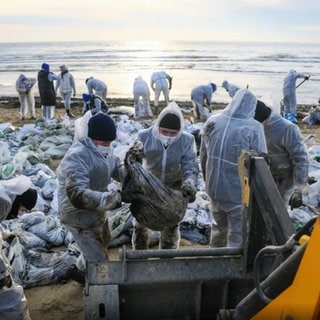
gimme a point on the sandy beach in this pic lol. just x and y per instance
(65, 301)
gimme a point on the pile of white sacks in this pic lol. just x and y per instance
(41, 250)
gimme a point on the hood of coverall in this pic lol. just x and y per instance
(12, 188)
(22, 77)
(173, 108)
(225, 84)
(242, 106)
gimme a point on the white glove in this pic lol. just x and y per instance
(110, 200)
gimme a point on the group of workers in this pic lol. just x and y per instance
(170, 154)
(94, 99)
(90, 174)
(160, 82)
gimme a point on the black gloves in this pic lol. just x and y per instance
(189, 190)
(307, 78)
(134, 153)
(295, 200)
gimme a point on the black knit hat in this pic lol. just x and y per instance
(28, 200)
(262, 111)
(170, 121)
(102, 127)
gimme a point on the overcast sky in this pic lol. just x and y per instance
(222, 20)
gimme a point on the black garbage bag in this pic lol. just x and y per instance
(152, 203)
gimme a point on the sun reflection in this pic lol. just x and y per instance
(145, 46)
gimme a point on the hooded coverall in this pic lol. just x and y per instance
(201, 96)
(230, 88)
(67, 85)
(24, 87)
(141, 98)
(83, 176)
(173, 165)
(289, 92)
(98, 87)
(9, 190)
(160, 82)
(288, 155)
(224, 137)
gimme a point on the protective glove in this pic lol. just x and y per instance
(189, 190)
(295, 200)
(110, 200)
(134, 153)
(307, 78)
(266, 157)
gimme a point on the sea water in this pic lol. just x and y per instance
(260, 66)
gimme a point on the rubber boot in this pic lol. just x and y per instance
(69, 114)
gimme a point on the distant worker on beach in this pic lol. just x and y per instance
(230, 88)
(97, 87)
(24, 87)
(67, 85)
(289, 94)
(160, 82)
(46, 91)
(201, 99)
(93, 103)
(141, 98)
(314, 115)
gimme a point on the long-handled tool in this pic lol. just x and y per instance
(305, 79)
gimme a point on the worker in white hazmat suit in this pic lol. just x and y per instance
(201, 99)
(141, 98)
(224, 137)
(98, 87)
(230, 88)
(170, 155)
(15, 194)
(287, 153)
(84, 190)
(24, 87)
(161, 82)
(289, 94)
(67, 87)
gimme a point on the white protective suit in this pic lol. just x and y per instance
(173, 165)
(224, 137)
(24, 87)
(201, 98)
(288, 155)
(141, 98)
(67, 86)
(83, 177)
(98, 87)
(95, 105)
(289, 91)
(230, 88)
(160, 82)
(9, 190)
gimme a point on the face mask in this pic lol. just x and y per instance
(166, 140)
(106, 151)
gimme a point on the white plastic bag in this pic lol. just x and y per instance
(81, 126)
